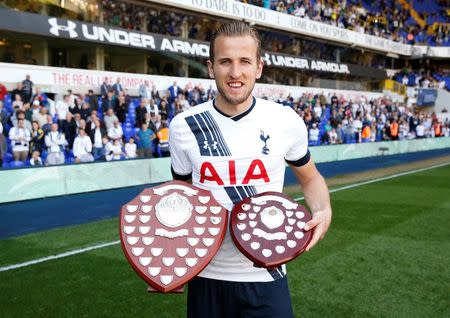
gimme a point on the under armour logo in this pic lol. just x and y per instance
(265, 149)
(56, 28)
(266, 59)
(210, 146)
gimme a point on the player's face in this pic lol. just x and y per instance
(235, 69)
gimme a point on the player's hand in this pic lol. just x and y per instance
(319, 224)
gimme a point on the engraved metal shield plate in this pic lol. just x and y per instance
(268, 228)
(169, 233)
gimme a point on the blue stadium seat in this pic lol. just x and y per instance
(17, 164)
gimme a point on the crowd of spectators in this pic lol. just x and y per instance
(141, 18)
(385, 18)
(333, 119)
(34, 130)
(423, 79)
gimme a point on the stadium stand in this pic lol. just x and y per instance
(331, 119)
(115, 115)
(384, 18)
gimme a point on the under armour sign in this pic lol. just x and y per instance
(57, 28)
(269, 228)
(169, 233)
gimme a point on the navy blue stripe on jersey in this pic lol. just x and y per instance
(211, 144)
(217, 132)
(234, 195)
(239, 193)
(276, 273)
(199, 136)
(209, 138)
(213, 137)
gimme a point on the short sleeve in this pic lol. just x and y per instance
(181, 165)
(298, 153)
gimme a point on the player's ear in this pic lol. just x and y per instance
(259, 68)
(210, 69)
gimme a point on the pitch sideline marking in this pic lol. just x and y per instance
(98, 246)
(52, 257)
(354, 185)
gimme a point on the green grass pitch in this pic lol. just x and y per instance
(387, 254)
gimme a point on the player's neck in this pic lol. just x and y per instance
(231, 109)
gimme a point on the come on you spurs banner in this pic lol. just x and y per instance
(273, 19)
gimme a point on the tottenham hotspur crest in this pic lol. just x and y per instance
(265, 149)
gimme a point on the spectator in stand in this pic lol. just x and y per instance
(55, 142)
(92, 100)
(117, 87)
(2, 144)
(41, 97)
(163, 111)
(152, 108)
(333, 136)
(420, 130)
(21, 115)
(3, 92)
(121, 108)
(62, 108)
(37, 138)
(163, 137)
(155, 94)
(140, 113)
(4, 116)
(114, 150)
(109, 119)
(82, 147)
(35, 108)
(145, 90)
(85, 110)
(144, 138)
(130, 149)
(72, 98)
(97, 134)
(155, 125)
(27, 88)
(36, 159)
(174, 90)
(105, 88)
(17, 103)
(437, 129)
(115, 132)
(69, 128)
(48, 126)
(109, 102)
(18, 91)
(314, 134)
(20, 138)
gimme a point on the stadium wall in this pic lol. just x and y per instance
(34, 183)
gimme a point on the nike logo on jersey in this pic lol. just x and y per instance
(255, 171)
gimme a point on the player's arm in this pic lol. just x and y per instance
(318, 199)
(176, 176)
(180, 163)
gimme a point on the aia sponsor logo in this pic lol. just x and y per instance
(255, 171)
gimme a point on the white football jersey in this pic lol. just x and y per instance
(234, 158)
